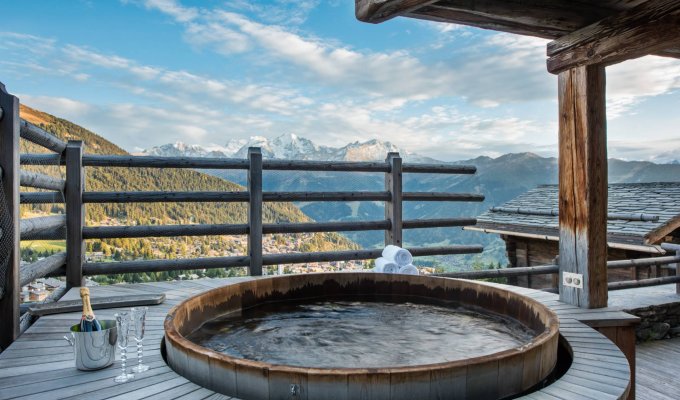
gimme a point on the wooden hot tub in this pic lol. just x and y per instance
(495, 375)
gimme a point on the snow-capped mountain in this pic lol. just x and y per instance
(179, 149)
(289, 146)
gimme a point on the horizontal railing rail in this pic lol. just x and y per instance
(669, 261)
(41, 137)
(41, 159)
(503, 272)
(42, 268)
(139, 231)
(662, 280)
(31, 228)
(94, 160)
(243, 197)
(40, 181)
(124, 267)
(41, 197)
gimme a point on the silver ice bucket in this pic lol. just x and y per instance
(94, 350)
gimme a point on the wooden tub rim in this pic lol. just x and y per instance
(181, 343)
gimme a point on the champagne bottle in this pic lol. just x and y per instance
(88, 322)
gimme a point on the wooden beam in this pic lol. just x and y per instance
(363, 254)
(40, 181)
(98, 160)
(75, 213)
(125, 267)
(42, 268)
(41, 197)
(376, 11)
(9, 218)
(138, 231)
(431, 13)
(554, 17)
(657, 235)
(646, 29)
(583, 184)
(29, 227)
(41, 137)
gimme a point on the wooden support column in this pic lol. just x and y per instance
(255, 211)
(75, 213)
(393, 208)
(9, 221)
(583, 184)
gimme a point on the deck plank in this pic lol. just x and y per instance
(657, 364)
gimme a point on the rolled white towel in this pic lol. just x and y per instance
(409, 270)
(390, 268)
(398, 255)
(385, 266)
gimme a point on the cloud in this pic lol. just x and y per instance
(503, 68)
(658, 151)
(156, 82)
(289, 12)
(29, 44)
(325, 61)
(223, 40)
(57, 105)
(184, 105)
(633, 81)
(173, 8)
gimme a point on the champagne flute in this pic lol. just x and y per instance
(139, 324)
(123, 326)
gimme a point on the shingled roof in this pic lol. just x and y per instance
(639, 215)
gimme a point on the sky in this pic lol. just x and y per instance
(144, 73)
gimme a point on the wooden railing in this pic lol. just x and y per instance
(393, 224)
(671, 262)
(71, 191)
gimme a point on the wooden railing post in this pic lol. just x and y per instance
(9, 224)
(255, 211)
(393, 209)
(75, 213)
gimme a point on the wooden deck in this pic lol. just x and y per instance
(657, 365)
(40, 364)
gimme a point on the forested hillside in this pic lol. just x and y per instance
(155, 179)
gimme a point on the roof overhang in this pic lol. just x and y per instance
(585, 32)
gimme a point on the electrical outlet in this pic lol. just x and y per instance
(571, 279)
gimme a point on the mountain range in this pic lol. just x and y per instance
(290, 147)
(499, 179)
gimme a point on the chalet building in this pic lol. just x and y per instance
(640, 217)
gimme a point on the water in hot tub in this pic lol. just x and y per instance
(358, 334)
